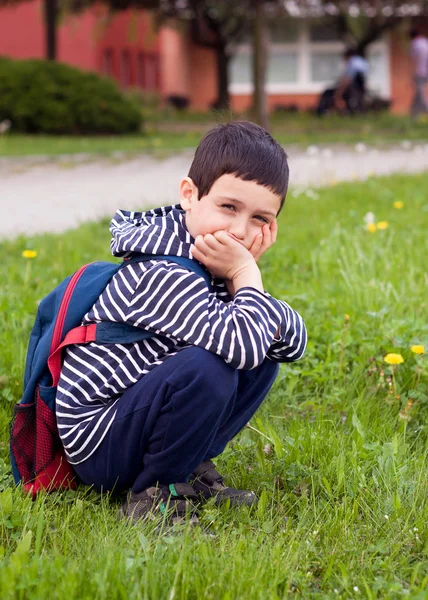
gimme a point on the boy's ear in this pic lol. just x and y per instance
(188, 193)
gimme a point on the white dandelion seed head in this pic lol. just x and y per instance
(5, 125)
(327, 153)
(360, 147)
(312, 150)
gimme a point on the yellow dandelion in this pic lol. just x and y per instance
(29, 254)
(393, 359)
(417, 349)
(398, 204)
(371, 227)
(382, 225)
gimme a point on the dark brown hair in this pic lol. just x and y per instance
(245, 150)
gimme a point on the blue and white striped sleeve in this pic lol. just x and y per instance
(172, 301)
(290, 345)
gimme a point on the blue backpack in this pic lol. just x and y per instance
(37, 454)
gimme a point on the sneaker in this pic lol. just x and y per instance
(174, 501)
(208, 483)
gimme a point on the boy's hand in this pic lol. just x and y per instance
(222, 255)
(264, 240)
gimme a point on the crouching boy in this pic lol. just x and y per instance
(150, 416)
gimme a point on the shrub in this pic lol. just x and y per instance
(48, 97)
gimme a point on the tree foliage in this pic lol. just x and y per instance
(359, 22)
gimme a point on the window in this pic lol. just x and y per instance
(107, 64)
(326, 66)
(141, 80)
(125, 68)
(283, 63)
(378, 72)
(241, 67)
(304, 58)
(151, 72)
(283, 66)
(147, 71)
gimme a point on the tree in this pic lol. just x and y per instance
(228, 22)
(51, 17)
(260, 55)
(221, 25)
(50, 12)
(216, 24)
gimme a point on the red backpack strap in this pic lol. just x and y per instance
(78, 335)
(54, 360)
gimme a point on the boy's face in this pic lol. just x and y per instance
(241, 208)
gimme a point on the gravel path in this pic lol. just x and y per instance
(40, 195)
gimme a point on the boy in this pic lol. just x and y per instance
(150, 416)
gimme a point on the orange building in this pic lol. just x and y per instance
(305, 57)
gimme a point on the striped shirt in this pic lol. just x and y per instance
(174, 304)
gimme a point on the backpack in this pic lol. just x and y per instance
(36, 451)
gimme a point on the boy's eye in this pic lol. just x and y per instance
(232, 207)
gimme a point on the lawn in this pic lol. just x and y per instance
(171, 131)
(338, 454)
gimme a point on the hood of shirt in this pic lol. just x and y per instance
(158, 231)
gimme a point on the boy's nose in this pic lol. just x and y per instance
(238, 230)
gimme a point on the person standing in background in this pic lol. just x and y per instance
(419, 54)
(351, 89)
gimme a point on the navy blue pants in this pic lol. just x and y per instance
(181, 413)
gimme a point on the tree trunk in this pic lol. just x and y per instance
(259, 65)
(51, 9)
(222, 63)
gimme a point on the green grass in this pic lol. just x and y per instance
(170, 131)
(337, 455)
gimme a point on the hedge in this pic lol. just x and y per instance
(49, 97)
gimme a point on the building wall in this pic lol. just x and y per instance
(127, 49)
(242, 102)
(76, 41)
(22, 35)
(401, 73)
(203, 81)
(175, 63)
(124, 46)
